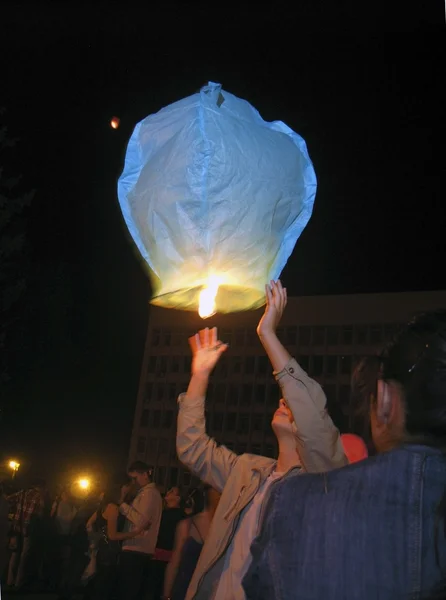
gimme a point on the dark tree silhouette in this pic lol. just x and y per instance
(13, 256)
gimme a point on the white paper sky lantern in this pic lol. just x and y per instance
(215, 199)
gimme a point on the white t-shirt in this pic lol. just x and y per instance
(238, 556)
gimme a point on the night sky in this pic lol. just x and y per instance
(365, 92)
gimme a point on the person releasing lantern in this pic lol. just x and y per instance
(215, 199)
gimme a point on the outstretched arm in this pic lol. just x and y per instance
(199, 452)
(318, 440)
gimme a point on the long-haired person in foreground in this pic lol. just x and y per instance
(376, 529)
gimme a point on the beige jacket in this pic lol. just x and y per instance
(239, 477)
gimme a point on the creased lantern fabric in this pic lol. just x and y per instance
(210, 190)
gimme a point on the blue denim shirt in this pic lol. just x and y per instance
(363, 532)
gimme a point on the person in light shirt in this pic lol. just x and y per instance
(143, 512)
(307, 438)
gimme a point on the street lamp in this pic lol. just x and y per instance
(84, 484)
(14, 466)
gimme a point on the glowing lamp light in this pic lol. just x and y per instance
(114, 123)
(209, 187)
(206, 298)
(84, 484)
(15, 466)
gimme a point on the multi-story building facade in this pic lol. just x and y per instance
(327, 334)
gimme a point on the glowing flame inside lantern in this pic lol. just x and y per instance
(115, 122)
(206, 299)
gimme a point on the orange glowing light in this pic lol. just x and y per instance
(114, 123)
(206, 301)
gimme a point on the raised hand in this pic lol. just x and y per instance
(276, 300)
(206, 350)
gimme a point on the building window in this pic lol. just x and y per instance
(167, 338)
(226, 336)
(160, 392)
(346, 365)
(178, 337)
(234, 391)
(151, 367)
(161, 475)
(220, 392)
(362, 335)
(152, 448)
(274, 396)
(141, 445)
(156, 418)
(257, 422)
(317, 366)
(172, 391)
(330, 392)
(162, 366)
(344, 395)
(175, 364)
(290, 337)
(217, 421)
(243, 424)
(187, 364)
(148, 392)
(168, 419)
(347, 335)
(376, 334)
(163, 447)
(250, 363)
(241, 448)
(173, 479)
(267, 424)
(245, 399)
(251, 338)
(331, 365)
(259, 394)
(304, 362)
(145, 418)
(263, 365)
(389, 331)
(239, 338)
(318, 336)
(156, 336)
(231, 419)
(236, 364)
(332, 336)
(221, 369)
(256, 449)
(304, 336)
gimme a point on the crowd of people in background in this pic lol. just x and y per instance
(115, 543)
(323, 520)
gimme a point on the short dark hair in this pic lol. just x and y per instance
(38, 483)
(138, 466)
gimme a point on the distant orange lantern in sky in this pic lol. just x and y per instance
(115, 122)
